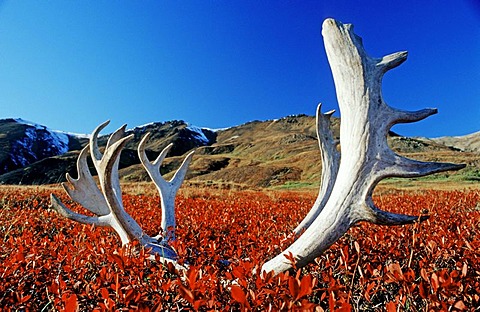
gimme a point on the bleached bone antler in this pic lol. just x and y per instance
(106, 202)
(330, 163)
(167, 189)
(366, 157)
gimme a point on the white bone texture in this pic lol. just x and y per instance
(365, 155)
(167, 189)
(106, 203)
(330, 163)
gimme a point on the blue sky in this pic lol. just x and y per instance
(71, 65)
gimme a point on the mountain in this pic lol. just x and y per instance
(272, 153)
(469, 142)
(285, 153)
(22, 143)
(33, 154)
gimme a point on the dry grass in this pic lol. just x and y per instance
(216, 189)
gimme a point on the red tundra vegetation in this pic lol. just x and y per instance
(49, 263)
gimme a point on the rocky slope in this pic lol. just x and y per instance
(33, 154)
(469, 142)
(283, 153)
(273, 153)
(23, 143)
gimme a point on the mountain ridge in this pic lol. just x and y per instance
(468, 142)
(272, 153)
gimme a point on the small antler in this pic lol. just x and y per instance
(365, 156)
(330, 162)
(106, 202)
(167, 189)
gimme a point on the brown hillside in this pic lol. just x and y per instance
(469, 142)
(285, 153)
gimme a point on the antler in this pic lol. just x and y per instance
(106, 203)
(330, 163)
(366, 157)
(166, 189)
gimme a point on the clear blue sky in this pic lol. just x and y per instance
(71, 65)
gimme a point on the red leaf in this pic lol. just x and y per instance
(391, 307)
(129, 295)
(395, 270)
(104, 293)
(192, 277)
(197, 304)
(62, 283)
(306, 286)
(290, 257)
(118, 260)
(331, 301)
(424, 275)
(368, 289)
(238, 295)
(237, 273)
(186, 294)
(71, 304)
(110, 303)
(54, 288)
(293, 286)
(26, 298)
(346, 307)
(421, 290)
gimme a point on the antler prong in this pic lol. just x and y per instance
(94, 150)
(69, 214)
(393, 60)
(106, 202)
(166, 189)
(330, 163)
(366, 156)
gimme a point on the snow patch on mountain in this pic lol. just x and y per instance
(198, 134)
(36, 143)
(21, 149)
(61, 134)
(57, 141)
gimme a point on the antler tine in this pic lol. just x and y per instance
(161, 157)
(85, 191)
(177, 179)
(107, 203)
(99, 159)
(330, 163)
(116, 136)
(69, 214)
(366, 156)
(392, 60)
(94, 150)
(400, 116)
(166, 189)
(149, 165)
(107, 169)
(378, 216)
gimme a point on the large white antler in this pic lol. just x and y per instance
(365, 156)
(167, 189)
(106, 202)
